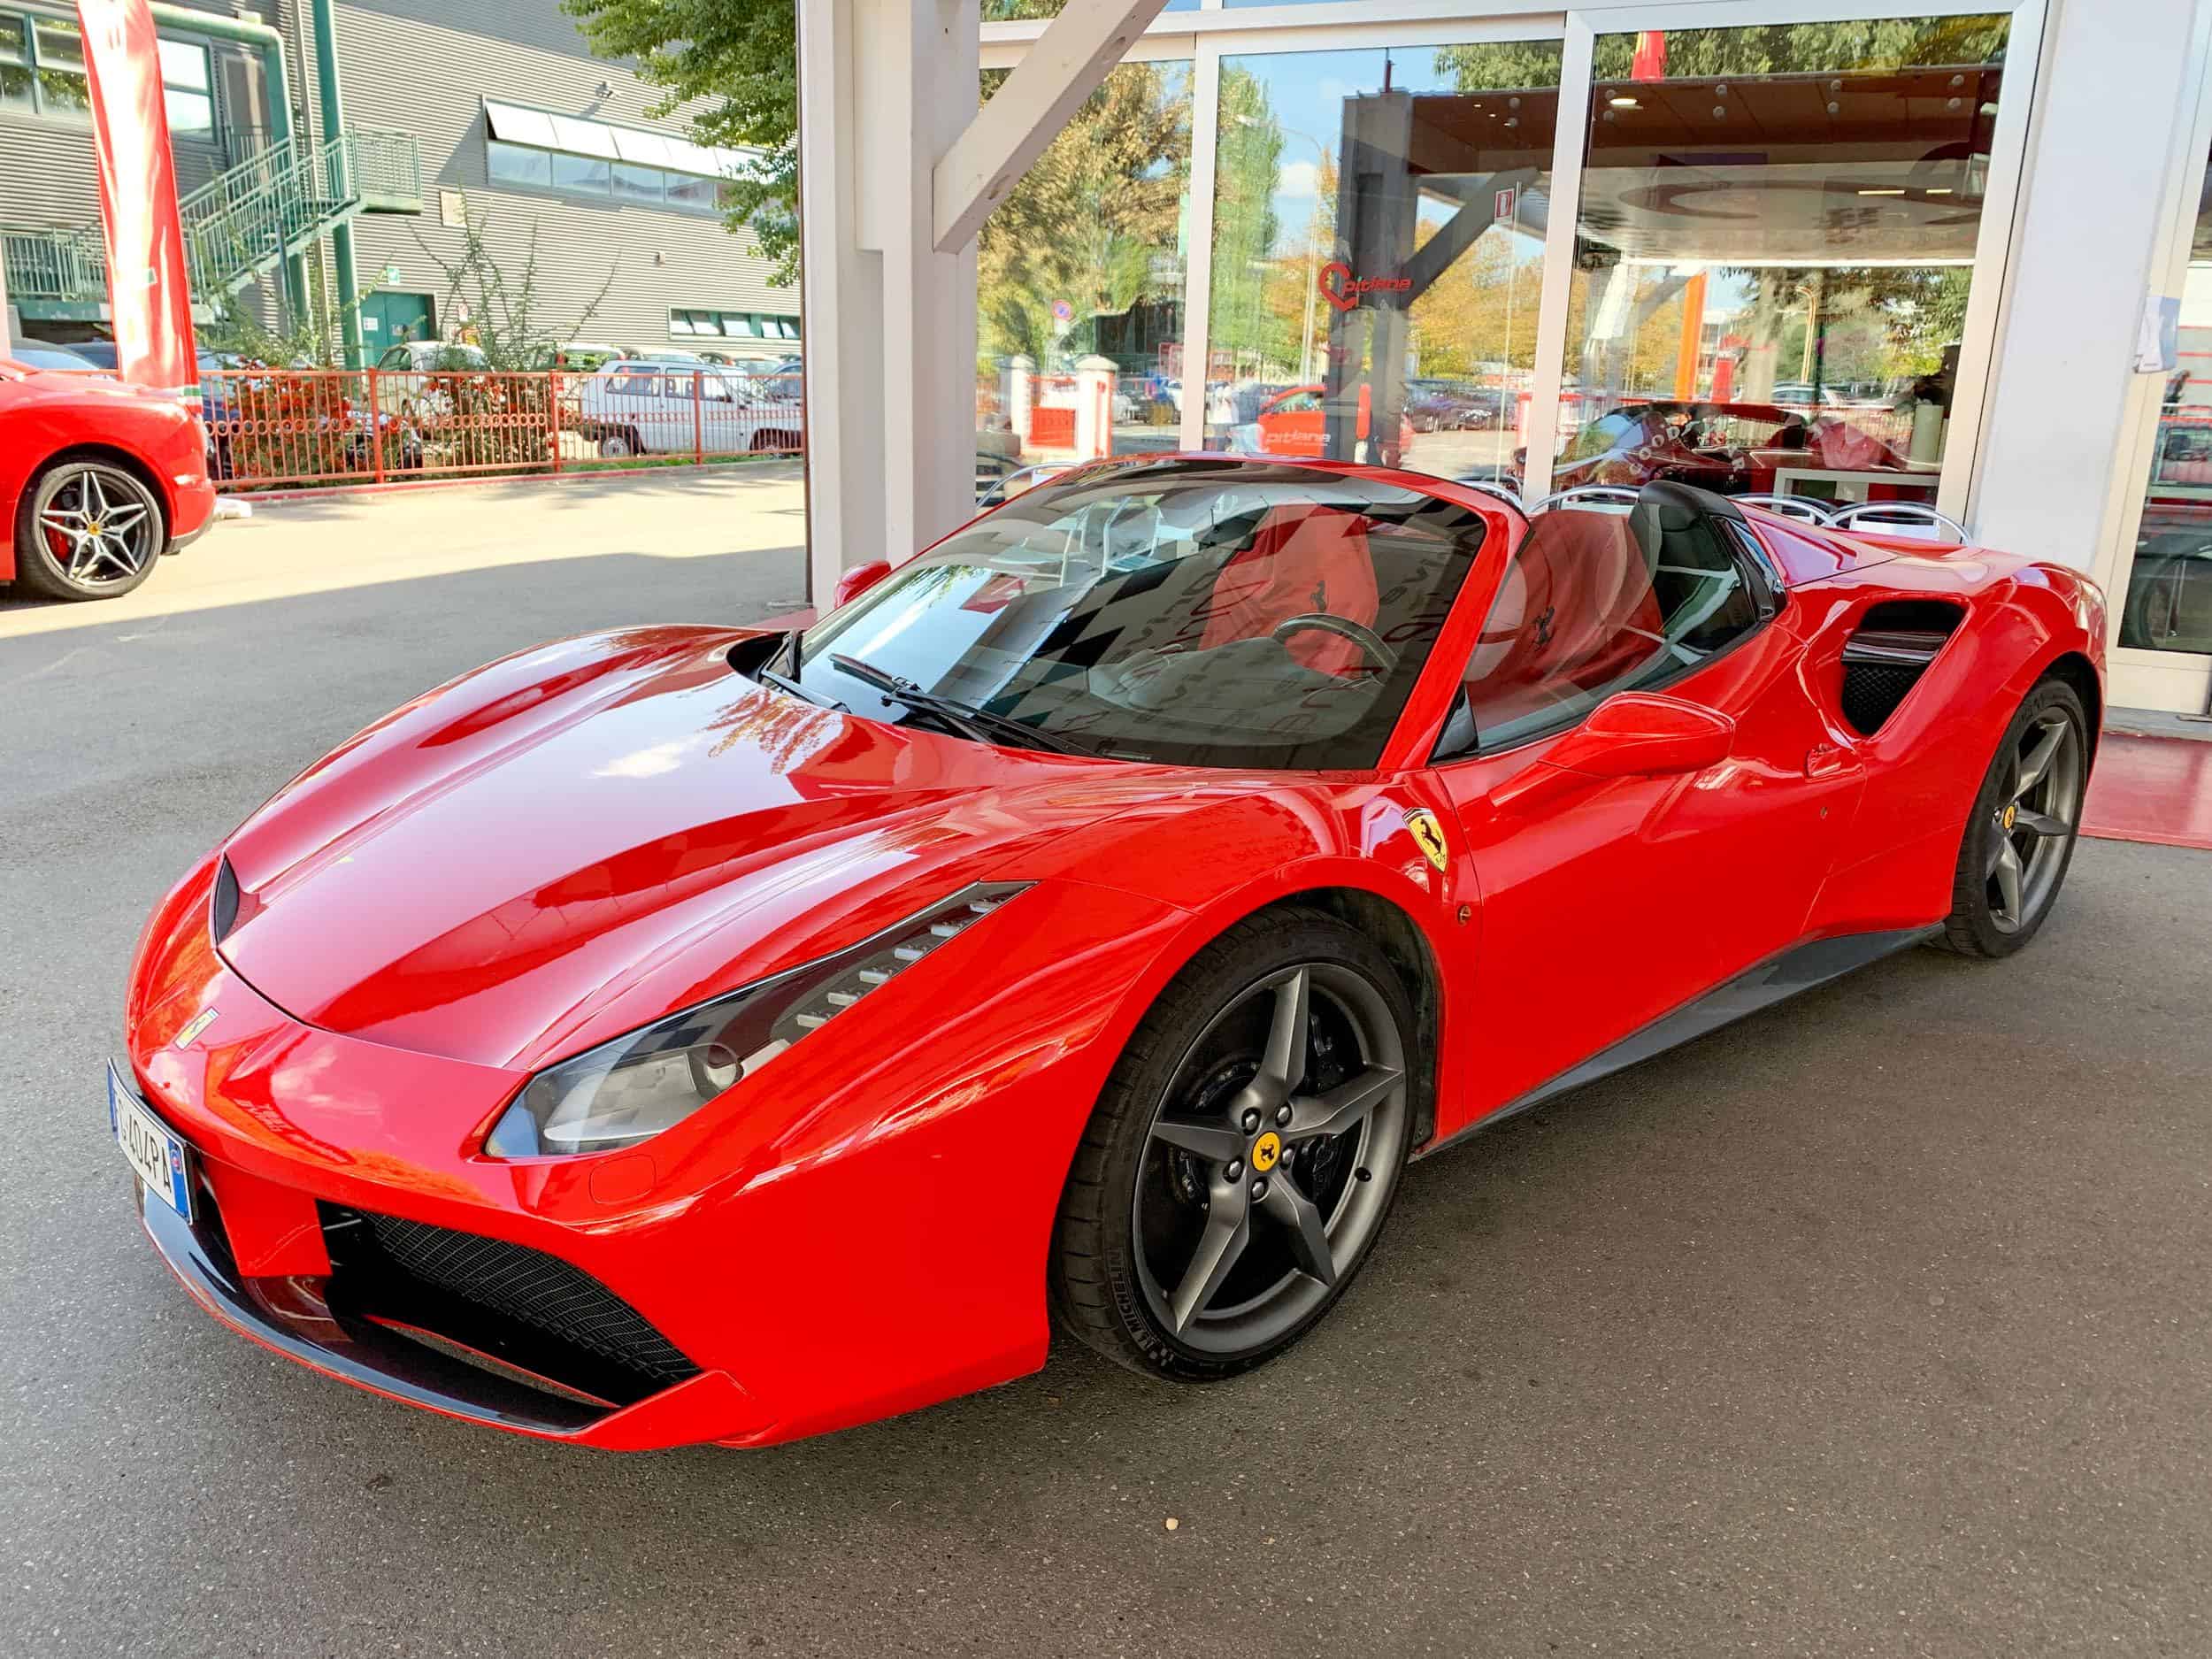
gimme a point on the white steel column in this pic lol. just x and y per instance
(885, 88)
(887, 121)
(1198, 251)
(1562, 212)
(2114, 87)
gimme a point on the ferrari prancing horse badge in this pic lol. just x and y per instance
(1428, 835)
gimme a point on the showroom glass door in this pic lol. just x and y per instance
(1776, 255)
(1376, 252)
(2165, 599)
(1080, 277)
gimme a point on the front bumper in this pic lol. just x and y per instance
(841, 1247)
(301, 1318)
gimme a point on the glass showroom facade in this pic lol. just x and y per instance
(1760, 247)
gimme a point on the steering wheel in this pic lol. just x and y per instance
(1343, 627)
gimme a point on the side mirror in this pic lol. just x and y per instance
(1640, 734)
(858, 581)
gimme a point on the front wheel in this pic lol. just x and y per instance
(2021, 832)
(1244, 1154)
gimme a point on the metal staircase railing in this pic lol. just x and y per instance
(242, 222)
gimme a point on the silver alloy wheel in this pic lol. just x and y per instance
(102, 526)
(2038, 813)
(1255, 1192)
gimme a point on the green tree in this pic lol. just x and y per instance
(505, 317)
(739, 60)
(1092, 222)
(1249, 163)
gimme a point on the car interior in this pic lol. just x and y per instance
(1253, 619)
(1597, 601)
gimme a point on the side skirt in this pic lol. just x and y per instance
(1800, 968)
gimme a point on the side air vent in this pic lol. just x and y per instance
(1887, 653)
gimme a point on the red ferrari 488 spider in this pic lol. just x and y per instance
(704, 1033)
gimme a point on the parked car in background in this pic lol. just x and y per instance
(98, 481)
(782, 377)
(1295, 423)
(101, 354)
(1433, 405)
(652, 408)
(585, 357)
(37, 354)
(285, 424)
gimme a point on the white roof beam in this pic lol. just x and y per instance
(1064, 67)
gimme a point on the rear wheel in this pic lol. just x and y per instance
(617, 446)
(2021, 833)
(88, 529)
(1244, 1155)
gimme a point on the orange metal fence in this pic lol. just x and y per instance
(297, 427)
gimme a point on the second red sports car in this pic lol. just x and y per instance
(98, 481)
(704, 1033)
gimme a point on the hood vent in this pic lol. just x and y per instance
(222, 907)
(1887, 653)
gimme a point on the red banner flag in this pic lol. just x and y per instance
(149, 291)
(1650, 62)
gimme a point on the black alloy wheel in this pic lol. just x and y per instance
(1244, 1156)
(2021, 833)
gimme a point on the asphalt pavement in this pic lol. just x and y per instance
(1876, 1323)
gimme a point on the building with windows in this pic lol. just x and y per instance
(1954, 252)
(459, 120)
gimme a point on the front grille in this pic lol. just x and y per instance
(514, 1282)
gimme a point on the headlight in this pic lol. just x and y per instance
(652, 1078)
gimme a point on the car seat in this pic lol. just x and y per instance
(1301, 561)
(1575, 612)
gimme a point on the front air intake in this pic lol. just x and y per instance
(1885, 655)
(510, 1283)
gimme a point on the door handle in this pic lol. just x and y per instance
(1825, 759)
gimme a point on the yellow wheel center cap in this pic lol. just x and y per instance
(2012, 814)
(1266, 1151)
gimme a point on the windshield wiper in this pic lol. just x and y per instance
(789, 683)
(785, 683)
(982, 725)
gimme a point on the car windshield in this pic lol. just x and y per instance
(1192, 612)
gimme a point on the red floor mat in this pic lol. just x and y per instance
(2151, 789)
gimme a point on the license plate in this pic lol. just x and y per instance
(159, 1156)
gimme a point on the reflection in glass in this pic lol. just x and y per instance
(1377, 256)
(2168, 606)
(1774, 254)
(1080, 281)
(59, 47)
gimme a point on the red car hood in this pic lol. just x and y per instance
(574, 842)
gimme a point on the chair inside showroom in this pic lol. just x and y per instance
(1303, 560)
